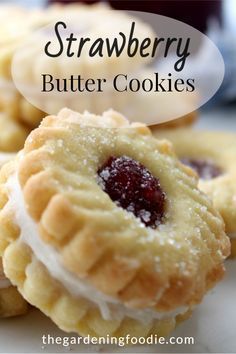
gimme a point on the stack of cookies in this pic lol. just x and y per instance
(102, 227)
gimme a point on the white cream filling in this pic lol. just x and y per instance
(110, 307)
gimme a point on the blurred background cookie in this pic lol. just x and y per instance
(212, 155)
(91, 21)
(12, 137)
(186, 120)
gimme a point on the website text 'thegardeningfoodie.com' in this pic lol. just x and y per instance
(119, 341)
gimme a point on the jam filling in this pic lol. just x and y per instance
(204, 168)
(131, 186)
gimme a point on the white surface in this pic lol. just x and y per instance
(213, 324)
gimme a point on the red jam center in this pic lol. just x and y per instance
(131, 186)
(204, 168)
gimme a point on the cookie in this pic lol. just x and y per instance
(212, 155)
(18, 108)
(13, 32)
(16, 27)
(186, 120)
(11, 302)
(137, 106)
(12, 138)
(89, 19)
(34, 62)
(110, 232)
(12, 135)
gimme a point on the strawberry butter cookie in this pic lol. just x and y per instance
(109, 229)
